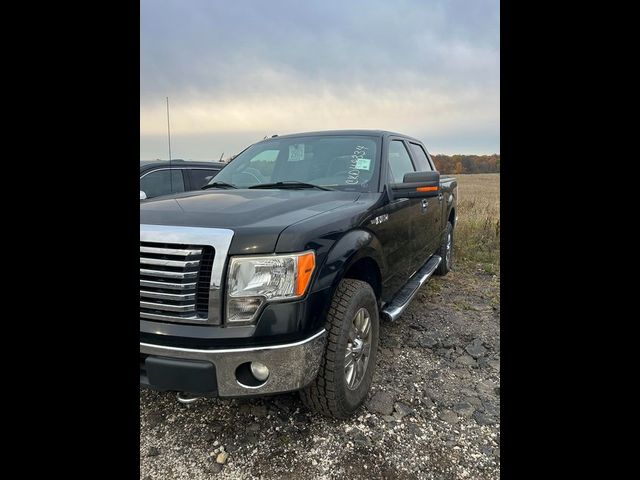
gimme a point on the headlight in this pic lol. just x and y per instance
(252, 281)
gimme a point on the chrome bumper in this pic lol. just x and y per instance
(292, 366)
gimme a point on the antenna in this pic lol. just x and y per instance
(169, 138)
(221, 156)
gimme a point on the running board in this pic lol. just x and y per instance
(401, 301)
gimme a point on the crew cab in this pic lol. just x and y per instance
(161, 177)
(275, 276)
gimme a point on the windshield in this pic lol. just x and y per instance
(332, 161)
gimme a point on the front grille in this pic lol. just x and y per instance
(174, 282)
(204, 281)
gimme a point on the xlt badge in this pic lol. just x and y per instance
(380, 218)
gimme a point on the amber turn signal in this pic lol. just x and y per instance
(306, 265)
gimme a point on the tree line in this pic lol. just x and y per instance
(457, 164)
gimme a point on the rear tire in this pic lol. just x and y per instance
(349, 359)
(446, 252)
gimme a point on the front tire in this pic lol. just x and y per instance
(349, 359)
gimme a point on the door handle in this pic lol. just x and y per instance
(440, 197)
(425, 204)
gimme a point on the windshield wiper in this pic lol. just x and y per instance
(289, 184)
(218, 185)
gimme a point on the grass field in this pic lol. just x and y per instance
(477, 234)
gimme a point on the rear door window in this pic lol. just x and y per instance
(420, 157)
(162, 182)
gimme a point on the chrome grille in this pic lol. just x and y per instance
(175, 282)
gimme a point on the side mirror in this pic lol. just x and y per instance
(417, 185)
(143, 196)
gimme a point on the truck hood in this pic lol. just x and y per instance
(257, 217)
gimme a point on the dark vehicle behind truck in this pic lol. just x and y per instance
(161, 177)
(275, 276)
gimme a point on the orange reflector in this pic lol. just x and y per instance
(306, 264)
(426, 189)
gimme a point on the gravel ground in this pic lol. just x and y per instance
(433, 411)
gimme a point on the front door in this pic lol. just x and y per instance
(428, 224)
(400, 163)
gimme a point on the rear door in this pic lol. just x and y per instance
(428, 223)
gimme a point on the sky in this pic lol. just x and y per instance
(237, 71)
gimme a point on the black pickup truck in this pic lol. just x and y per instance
(275, 276)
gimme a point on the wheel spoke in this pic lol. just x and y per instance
(353, 375)
(359, 368)
(348, 362)
(366, 327)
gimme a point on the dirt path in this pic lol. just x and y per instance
(434, 409)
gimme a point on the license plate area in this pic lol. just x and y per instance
(190, 376)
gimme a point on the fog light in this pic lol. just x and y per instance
(260, 371)
(242, 310)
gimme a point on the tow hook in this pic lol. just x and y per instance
(187, 399)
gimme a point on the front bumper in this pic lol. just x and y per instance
(292, 366)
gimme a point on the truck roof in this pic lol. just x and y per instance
(372, 133)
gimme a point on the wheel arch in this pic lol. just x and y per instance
(358, 255)
(452, 217)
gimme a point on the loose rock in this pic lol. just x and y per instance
(475, 401)
(381, 402)
(429, 341)
(155, 418)
(153, 452)
(402, 410)
(360, 438)
(466, 360)
(476, 349)
(483, 419)
(448, 416)
(487, 387)
(449, 342)
(491, 408)
(463, 408)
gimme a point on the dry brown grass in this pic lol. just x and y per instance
(477, 234)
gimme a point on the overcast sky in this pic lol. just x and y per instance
(237, 71)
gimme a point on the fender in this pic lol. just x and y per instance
(351, 247)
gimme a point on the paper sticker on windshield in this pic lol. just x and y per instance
(296, 152)
(363, 164)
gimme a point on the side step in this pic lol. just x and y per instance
(402, 300)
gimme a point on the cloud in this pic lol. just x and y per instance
(284, 66)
